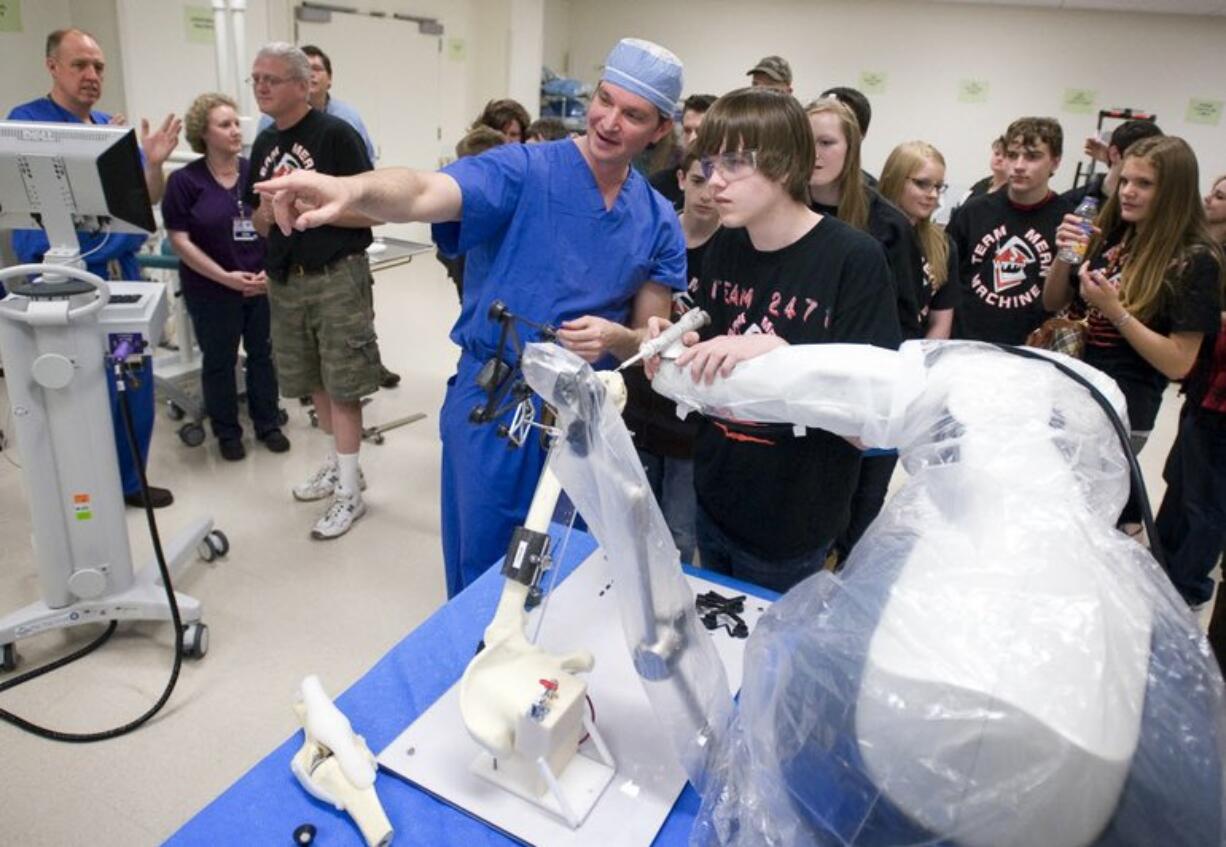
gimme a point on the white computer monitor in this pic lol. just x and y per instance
(67, 177)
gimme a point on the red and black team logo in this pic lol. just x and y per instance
(1009, 264)
(1018, 263)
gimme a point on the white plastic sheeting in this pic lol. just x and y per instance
(601, 473)
(996, 665)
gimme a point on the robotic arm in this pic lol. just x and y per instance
(597, 464)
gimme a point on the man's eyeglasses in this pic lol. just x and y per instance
(731, 166)
(927, 186)
(257, 80)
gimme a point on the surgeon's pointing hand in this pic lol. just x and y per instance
(305, 199)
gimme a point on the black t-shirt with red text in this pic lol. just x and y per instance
(1004, 252)
(318, 142)
(777, 494)
(1193, 305)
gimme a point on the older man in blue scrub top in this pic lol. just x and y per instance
(565, 233)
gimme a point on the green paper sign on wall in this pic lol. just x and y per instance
(873, 82)
(973, 91)
(1202, 111)
(10, 16)
(1079, 100)
(199, 23)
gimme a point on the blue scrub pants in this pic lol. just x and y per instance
(140, 400)
(487, 486)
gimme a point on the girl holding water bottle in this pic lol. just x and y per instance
(1151, 285)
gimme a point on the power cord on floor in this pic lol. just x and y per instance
(86, 737)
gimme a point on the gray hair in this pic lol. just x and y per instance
(297, 62)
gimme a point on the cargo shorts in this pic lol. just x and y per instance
(323, 330)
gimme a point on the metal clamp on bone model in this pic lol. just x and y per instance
(500, 378)
(335, 765)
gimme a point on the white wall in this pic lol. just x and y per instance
(98, 18)
(165, 71)
(557, 36)
(1028, 57)
(25, 74)
(526, 53)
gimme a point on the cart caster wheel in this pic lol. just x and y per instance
(218, 541)
(8, 658)
(195, 640)
(314, 417)
(282, 417)
(213, 545)
(174, 411)
(378, 439)
(191, 434)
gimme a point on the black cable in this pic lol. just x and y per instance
(1121, 432)
(34, 673)
(87, 737)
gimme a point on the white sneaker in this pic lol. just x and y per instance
(323, 483)
(344, 510)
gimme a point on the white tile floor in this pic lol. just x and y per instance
(279, 606)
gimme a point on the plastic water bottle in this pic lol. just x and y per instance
(1086, 210)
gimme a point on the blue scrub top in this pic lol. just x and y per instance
(31, 244)
(536, 235)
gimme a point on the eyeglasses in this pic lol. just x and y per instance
(257, 80)
(926, 185)
(731, 166)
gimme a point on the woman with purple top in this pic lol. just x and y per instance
(221, 274)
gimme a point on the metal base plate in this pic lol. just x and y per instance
(435, 751)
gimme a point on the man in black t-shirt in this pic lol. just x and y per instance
(664, 442)
(997, 179)
(771, 499)
(1006, 239)
(1102, 186)
(319, 288)
(665, 179)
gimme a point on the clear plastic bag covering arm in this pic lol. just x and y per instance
(600, 471)
(996, 666)
(861, 391)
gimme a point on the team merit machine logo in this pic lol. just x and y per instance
(1009, 264)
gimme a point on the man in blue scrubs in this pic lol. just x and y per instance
(76, 64)
(565, 233)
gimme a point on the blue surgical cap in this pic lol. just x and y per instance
(645, 69)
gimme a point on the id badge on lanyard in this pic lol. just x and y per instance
(244, 229)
